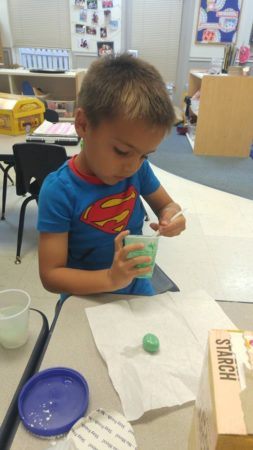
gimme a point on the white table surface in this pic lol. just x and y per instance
(72, 345)
(6, 143)
(14, 361)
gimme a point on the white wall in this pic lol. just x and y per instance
(202, 51)
(5, 24)
(155, 32)
(196, 52)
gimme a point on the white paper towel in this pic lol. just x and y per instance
(170, 377)
(103, 430)
(99, 430)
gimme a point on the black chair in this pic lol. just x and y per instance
(8, 160)
(161, 282)
(33, 162)
(51, 115)
(8, 176)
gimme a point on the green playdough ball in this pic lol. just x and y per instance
(150, 343)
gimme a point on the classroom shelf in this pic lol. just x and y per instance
(225, 120)
(61, 86)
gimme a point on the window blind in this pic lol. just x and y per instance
(155, 33)
(44, 23)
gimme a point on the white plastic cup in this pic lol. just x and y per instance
(14, 317)
(150, 249)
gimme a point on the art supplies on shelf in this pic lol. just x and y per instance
(58, 133)
(230, 52)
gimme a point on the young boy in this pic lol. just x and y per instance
(92, 202)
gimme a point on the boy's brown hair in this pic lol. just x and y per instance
(128, 87)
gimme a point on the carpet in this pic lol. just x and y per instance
(233, 175)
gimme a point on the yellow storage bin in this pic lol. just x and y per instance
(19, 114)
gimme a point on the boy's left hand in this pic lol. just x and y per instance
(168, 227)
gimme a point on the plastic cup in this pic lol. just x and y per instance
(150, 249)
(14, 317)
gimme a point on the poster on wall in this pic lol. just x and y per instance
(218, 21)
(95, 26)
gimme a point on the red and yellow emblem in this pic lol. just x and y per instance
(111, 214)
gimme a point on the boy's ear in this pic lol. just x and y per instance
(81, 122)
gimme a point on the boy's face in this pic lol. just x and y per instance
(115, 149)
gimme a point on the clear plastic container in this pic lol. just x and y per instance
(150, 249)
(215, 66)
(14, 317)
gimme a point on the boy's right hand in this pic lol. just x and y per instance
(124, 270)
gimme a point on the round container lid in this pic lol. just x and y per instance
(52, 401)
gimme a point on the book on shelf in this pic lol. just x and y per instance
(57, 133)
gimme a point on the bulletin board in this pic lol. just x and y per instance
(218, 21)
(95, 26)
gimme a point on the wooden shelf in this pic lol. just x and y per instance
(225, 117)
(60, 86)
(195, 107)
(191, 141)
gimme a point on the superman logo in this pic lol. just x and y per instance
(111, 214)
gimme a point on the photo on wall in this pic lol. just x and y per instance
(218, 21)
(107, 4)
(105, 48)
(82, 43)
(80, 3)
(103, 32)
(80, 29)
(83, 15)
(91, 30)
(114, 25)
(107, 15)
(95, 18)
(92, 4)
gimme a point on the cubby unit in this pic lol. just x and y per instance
(224, 115)
(61, 87)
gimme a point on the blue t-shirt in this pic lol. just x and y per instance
(93, 213)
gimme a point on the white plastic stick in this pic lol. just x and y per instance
(179, 213)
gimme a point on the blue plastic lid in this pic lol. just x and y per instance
(52, 401)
